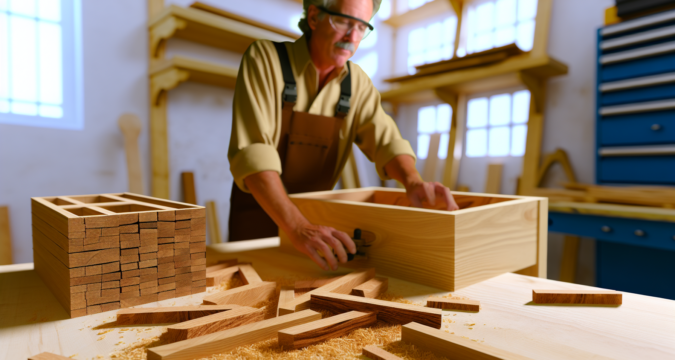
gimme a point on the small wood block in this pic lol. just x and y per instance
(166, 240)
(140, 300)
(442, 343)
(130, 294)
(372, 288)
(182, 224)
(166, 215)
(166, 229)
(147, 263)
(128, 258)
(94, 309)
(597, 297)
(147, 216)
(111, 277)
(115, 231)
(222, 264)
(227, 340)
(110, 285)
(130, 281)
(166, 295)
(309, 285)
(308, 334)
(286, 294)
(129, 229)
(93, 270)
(148, 225)
(148, 256)
(198, 229)
(453, 304)
(197, 247)
(130, 266)
(128, 252)
(48, 356)
(387, 311)
(247, 274)
(110, 306)
(243, 295)
(173, 314)
(150, 290)
(110, 267)
(213, 323)
(166, 287)
(376, 353)
(183, 290)
(216, 277)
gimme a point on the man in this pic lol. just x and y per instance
(298, 107)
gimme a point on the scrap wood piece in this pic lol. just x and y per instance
(596, 297)
(377, 353)
(48, 356)
(5, 237)
(244, 295)
(221, 264)
(387, 311)
(453, 304)
(309, 285)
(372, 288)
(286, 294)
(452, 346)
(248, 274)
(224, 341)
(304, 335)
(213, 323)
(343, 285)
(189, 193)
(163, 315)
(214, 278)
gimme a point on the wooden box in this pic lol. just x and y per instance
(489, 235)
(109, 251)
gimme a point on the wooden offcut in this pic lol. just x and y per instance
(453, 304)
(130, 125)
(387, 311)
(376, 353)
(286, 294)
(213, 222)
(172, 314)
(248, 274)
(309, 285)
(596, 297)
(48, 356)
(222, 264)
(227, 340)
(312, 333)
(5, 237)
(189, 193)
(451, 346)
(243, 295)
(372, 288)
(214, 278)
(213, 323)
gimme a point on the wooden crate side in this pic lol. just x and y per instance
(539, 269)
(60, 219)
(397, 250)
(495, 239)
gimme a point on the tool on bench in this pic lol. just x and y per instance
(363, 240)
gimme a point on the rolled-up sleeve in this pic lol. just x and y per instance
(254, 116)
(376, 132)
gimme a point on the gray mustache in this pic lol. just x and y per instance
(346, 45)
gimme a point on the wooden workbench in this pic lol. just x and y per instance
(32, 320)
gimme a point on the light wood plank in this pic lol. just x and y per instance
(188, 184)
(214, 278)
(493, 179)
(172, 314)
(376, 353)
(372, 288)
(451, 346)
(213, 323)
(48, 356)
(214, 224)
(5, 237)
(344, 285)
(286, 294)
(248, 274)
(604, 297)
(243, 295)
(453, 304)
(130, 125)
(387, 311)
(309, 285)
(304, 335)
(227, 340)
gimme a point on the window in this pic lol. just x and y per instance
(40, 63)
(497, 126)
(432, 43)
(433, 120)
(413, 4)
(496, 23)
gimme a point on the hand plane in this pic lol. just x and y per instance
(363, 240)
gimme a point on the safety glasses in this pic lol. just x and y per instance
(344, 23)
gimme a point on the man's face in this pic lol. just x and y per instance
(332, 47)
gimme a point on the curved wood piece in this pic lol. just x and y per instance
(559, 156)
(130, 125)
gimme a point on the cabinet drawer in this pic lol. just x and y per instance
(658, 92)
(638, 129)
(641, 67)
(637, 169)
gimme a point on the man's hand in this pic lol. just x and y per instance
(431, 193)
(311, 239)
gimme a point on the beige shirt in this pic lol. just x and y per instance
(256, 118)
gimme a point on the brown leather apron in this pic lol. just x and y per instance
(308, 149)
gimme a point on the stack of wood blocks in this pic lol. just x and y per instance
(104, 252)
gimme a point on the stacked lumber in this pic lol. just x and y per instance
(104, 252)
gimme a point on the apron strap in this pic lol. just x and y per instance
(342, 107)
(290, 93)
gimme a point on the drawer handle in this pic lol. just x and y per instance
(656, 127)
(606, 229)
(639, 233)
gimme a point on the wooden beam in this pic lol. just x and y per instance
(387, 311)
(163, 315)
(188, 184)
(154, 8)
(597, 297)
(493, 179)
(431, 162)
(372, 288)
(452, 346)
(213, 223)
(286, 294)
(309, 285)
(343, 285)
(535, 129)
(248, 274)
(130, 125)
(214, 278)
(456, 142)
(541, 27)
(213, 323)
(224, 341)
(241, 19)
(315, 332)
(159, 145)
(568, 264)
(243, 295)
(453, 304)
(5, 237)
(376, 353)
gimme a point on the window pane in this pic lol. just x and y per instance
(483, 42)
(417, 41)
(369, 63)
(412, 4)
(426, 120)
(505, 36)
(4, 58)
(4, 106)
(443, 115)
(527, 9)
(23, 59)
(505, 13)
(446, 51)
(51, 111)
(50, 10)
(476, 143)
(51, 82)
(518, 140)
(443, 146)
(369, 41)
(24, 108)
(23, 7)
(478, 113)
(385, 10)
(414, 60)
(500, 138)
(433, 55)
(525, 35)
(450, 30)
(500, 109)
(434, 34)
(423, 146)
(521, 107)
(3, 5)
(485, 17)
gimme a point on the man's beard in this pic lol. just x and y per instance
(346, 45)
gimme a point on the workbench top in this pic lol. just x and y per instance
(32, 320)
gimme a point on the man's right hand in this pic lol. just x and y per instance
(311, 239)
